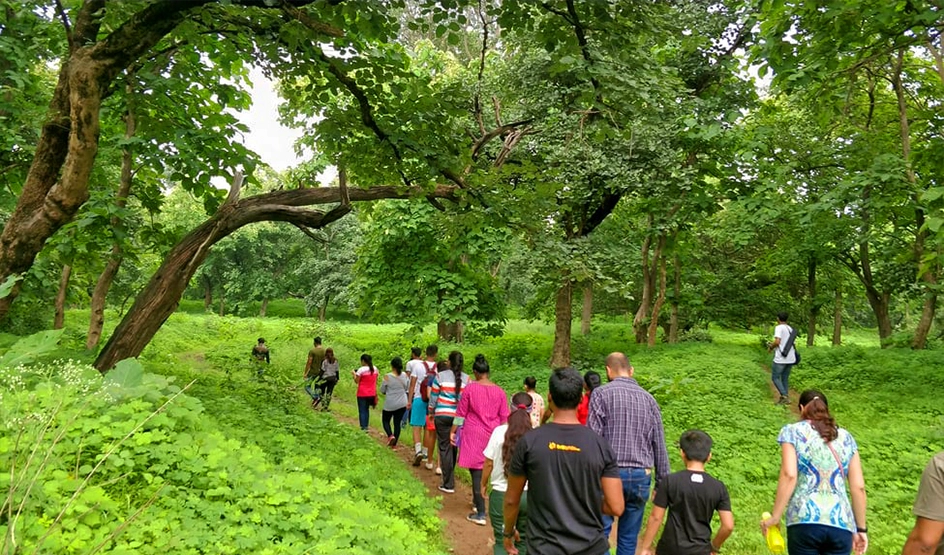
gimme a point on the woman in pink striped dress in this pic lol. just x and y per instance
(484, 406)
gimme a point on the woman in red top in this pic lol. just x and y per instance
(366, 379)
(591, 381)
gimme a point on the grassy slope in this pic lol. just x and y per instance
(888, 399)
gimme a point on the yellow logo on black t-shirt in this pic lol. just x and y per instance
(558, 447)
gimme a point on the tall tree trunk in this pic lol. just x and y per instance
(648, 285)
(814, 304)
(59, 320)
(107, 277)
(323, 309)
(676, 292)
(927, 274)
(263, 308)
(222, 311)
(837, 318)
(450, 331)
(563, 317)
(159, 298)
(207, 294)
(660, 299)
(586, 314)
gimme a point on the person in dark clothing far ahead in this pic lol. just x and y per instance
(572, 478)
(629, 419)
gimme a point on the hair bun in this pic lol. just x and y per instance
(480, 358)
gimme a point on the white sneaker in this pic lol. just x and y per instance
(438, 471)
(429, 466)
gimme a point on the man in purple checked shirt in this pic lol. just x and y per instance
(628, 417)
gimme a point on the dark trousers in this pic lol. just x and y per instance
(477, 498)
(817, 539)
(327, 390)
(447, 451)
(363, 411)
(397, 416)
(496, 514)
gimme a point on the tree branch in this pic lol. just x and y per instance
(308, 21)
(61, 12)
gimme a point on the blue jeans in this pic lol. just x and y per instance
(636, 484)
(817, 539)
(363, 411)
(780, 375)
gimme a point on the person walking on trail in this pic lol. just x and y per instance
(692, 497)
(572, 479)
(785, 356)
(816, 461)
(366, 379)
(591, 381)
(630, 420)
(497, 453)
(443, 401)
(483, 407)
(260, 355)
(537, 402)
(418, 370)
(394, 388)
(927, 536)
(330, 374)
(316, 356)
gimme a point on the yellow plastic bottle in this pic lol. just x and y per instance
(775, 542)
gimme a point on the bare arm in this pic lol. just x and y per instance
(613, 503)
(727, 526)
(511, 508)
(785, 485)
(487, 467)
(308, 364)
(924, 537)
(409, 396)
(656, 516)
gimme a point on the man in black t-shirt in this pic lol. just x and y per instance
(691, 497)
(572, 480)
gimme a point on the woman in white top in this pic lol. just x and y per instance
(394, 387)
(497, 458)
(537, 402)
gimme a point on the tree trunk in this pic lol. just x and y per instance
(676, 292)
(586, 314)
(263, 308)
(207, 294)
(107, 277)
(660, 300)
(837, 318)
(59, 321)
(450, 331)
(814, 304)
(563, 316)
(323, 309)
(222, 311)
(159, 298)
(647, 285)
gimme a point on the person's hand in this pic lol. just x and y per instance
(860, 543)
(647, 551)
(484, 491)
(765, 524)
(409, 405)
(452, 438)
(510, 543)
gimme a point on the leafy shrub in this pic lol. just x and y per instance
(695, 335)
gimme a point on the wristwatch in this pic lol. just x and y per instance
(508, 534)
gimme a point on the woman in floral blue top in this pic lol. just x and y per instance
(817, 459)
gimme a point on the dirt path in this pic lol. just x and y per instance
(463, 537)
(793, 394)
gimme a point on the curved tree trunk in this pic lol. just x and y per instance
(323, 309)
(158, 300)
(660, 299)
(450, 331)
(59, 320)
(563, 316)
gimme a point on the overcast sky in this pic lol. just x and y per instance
(270, 139)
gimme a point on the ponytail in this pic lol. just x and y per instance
(368, 362)
(519, 422)
(815, 408)
(456, 362)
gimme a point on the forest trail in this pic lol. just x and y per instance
(794, 394)
(462, 536)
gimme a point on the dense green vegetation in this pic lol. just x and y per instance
(299, 474)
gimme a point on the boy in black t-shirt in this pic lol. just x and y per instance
(692, 497)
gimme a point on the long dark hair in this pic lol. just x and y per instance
(519, 422)
(397, 365)
(456, 362)
(480, 366)
(592, 379)
(329, 355)
(815, 408)
(368, 362)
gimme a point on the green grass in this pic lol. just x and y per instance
(888, 399)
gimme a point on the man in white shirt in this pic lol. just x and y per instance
(784, 357)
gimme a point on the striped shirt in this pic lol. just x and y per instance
(628, 417)
(443, 399)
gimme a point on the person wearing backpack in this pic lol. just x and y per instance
(785, 357)
(419, 371)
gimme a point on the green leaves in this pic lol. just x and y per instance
(29, 349)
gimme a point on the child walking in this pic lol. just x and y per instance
(691, 496)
